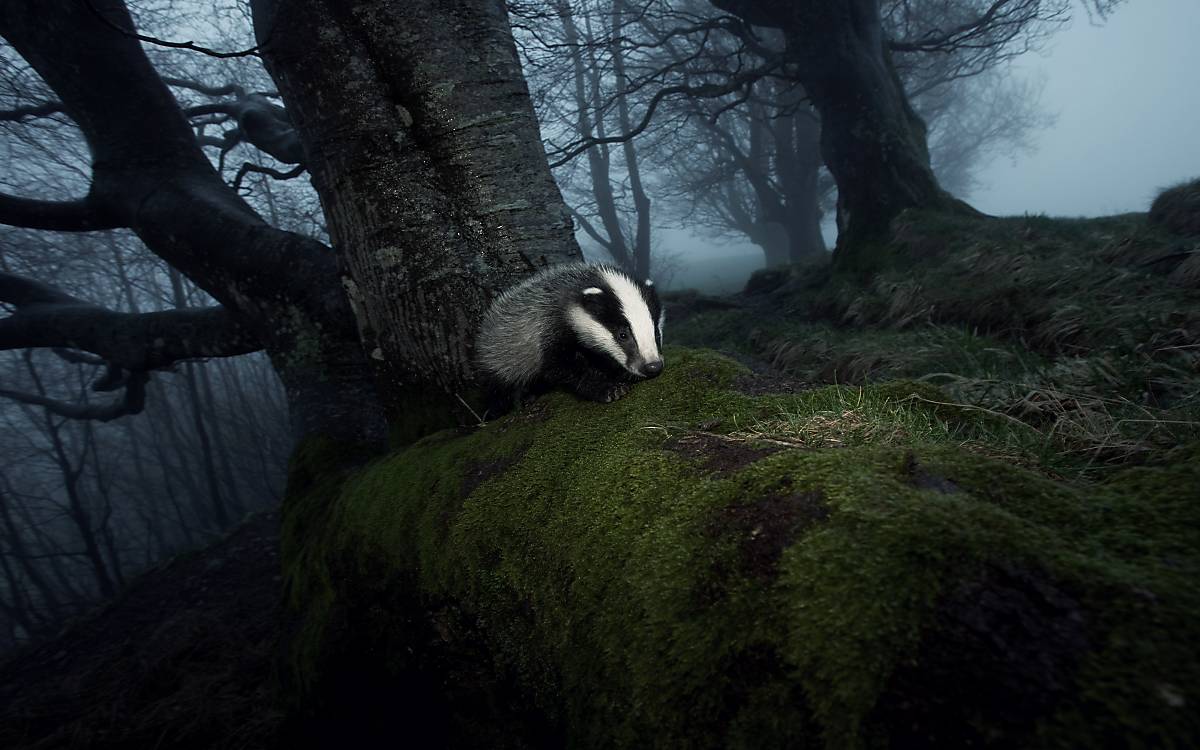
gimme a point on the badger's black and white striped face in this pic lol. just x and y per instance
(622, 318)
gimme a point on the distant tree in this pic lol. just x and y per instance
(599, 93)
(873, 141)
(90, 498)
(693, 76)
(754, 170)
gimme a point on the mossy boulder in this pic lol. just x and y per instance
(656, 573)
(1177, 209)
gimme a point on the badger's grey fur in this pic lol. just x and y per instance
(592, 329)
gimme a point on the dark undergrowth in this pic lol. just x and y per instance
(184, 659)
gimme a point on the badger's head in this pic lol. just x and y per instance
(620, 318)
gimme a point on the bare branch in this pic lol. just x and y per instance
(191, 46)
(62, 216)
(247, 167)
(131, 402)
(1002, 21)
(48, 317)
(261, 122)
(22, 292)
(229, 89)
(77, 358)
(218, 108)
(703, 91)
(587, 227)
(36, 110)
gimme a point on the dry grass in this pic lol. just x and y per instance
(1087, 332)
(1099, 431)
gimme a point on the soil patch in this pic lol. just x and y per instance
(720, 455)
(765, 528)
(771, 382)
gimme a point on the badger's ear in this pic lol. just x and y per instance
(649, 282)
(592, 290)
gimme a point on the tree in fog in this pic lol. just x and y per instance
(872, 139)
(90, 498)
(723, 117)
(586, 94)
(753, 171)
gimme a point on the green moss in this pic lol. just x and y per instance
(643, 599)
(317, 472)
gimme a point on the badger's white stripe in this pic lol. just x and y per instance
(636, 313)
(594, 334)
(593, 290)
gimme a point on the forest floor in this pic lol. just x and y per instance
(183, 659)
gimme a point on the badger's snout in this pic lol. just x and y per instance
(652, 369)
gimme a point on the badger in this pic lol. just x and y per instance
(592, 329)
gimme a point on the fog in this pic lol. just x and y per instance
(1123, 93)
(1128, 116)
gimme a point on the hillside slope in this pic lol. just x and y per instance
(183, 659)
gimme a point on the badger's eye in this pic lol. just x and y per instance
(623, 335)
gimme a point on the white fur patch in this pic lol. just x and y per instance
(649, 282)
(594, 334)
(593, 290)
(636, 312)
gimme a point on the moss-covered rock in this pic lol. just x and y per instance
(1177, 209)
(660, 572)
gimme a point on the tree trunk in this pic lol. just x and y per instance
(422, 143)
(641, 201)
(798, 153)
(774, 240)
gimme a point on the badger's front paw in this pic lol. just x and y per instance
(600, 389)
(615, 392)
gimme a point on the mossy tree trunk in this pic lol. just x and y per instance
(423, 146)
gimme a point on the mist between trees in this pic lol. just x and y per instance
(163, 231)
(89, 495)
